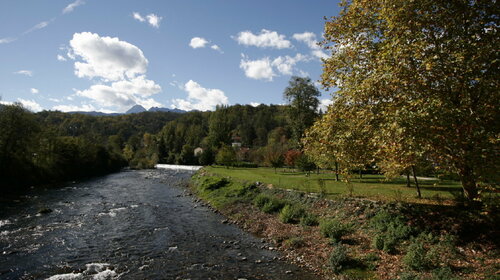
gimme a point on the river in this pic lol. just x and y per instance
(129, 225)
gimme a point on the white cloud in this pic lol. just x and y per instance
(285, 64)
(106, 57)
(6, 102)
(200, 98)
(28, 73)
(34, 90)
(72, 6)
(154, 20)
(7, 40)
(255, 104)
(55, 100)
(30, 105)
(257, 69)
(61, 58)
(138, 17)
(266, 38)
(198, 42)
(309, 39)
(74, 108)
(124, 93)
(324, 103)
(40, 25)
(121, 68)
(216, 48)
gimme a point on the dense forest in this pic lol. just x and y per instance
(50, 147)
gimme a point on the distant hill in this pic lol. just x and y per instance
(133, 110)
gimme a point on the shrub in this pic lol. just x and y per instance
(371, 261)
(309, 220)
(260, 200)
(334, 229)
(243, 164)
(294, 242)
(392, 230)
(214, 182)
(443, 273)
(272, 204)
(291, 214)
(338, 257)
(427, 251)
(408, 276)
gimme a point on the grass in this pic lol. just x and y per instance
(371, 186)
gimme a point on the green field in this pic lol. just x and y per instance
(371, 186)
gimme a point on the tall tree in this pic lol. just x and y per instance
(302, 96)
(429, 69)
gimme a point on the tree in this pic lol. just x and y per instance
(302, 96)
(225, 156)
(273, 156)
(423, 74)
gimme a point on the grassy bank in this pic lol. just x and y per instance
(370, 186)
(352, 237)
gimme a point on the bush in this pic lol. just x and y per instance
(214, 182)
(294, 242)
(269, 204)
(371, 261)
(443, 273)
(291, 214)
(427, 252)
(334, 229)
(243, 164)
(338, 257)
(309, 220)
(260, 200)
(408, 276)
(392, 230)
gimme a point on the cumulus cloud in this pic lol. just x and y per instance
(28, 73)
(259, 69)
(30, 105)
(120, 68)
(200, 98)
(309, 39)
(74, 108)
(255, 104)
(61, 58)
(106, 57)
(152, 19)
(264, 68)
(266, 39)
(324, 103)
(34, 90)
(72, 6)
(7, 40)
(124, 93)
(285, 64)
(198, 42)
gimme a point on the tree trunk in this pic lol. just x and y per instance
(419, 195)
(360, 174)
(336, 171)
(408, 183)
(468, 182)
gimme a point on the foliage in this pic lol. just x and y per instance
(309, 220)
(338, 257)
(305, 164)
(274, 156)
(392, 230)
(291, 157)
(413, 83)
(427, 251)
(292, 214)
(225, 156)
(295, 242)
(334, 229)
(303, 98)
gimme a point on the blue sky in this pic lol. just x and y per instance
(109, 55)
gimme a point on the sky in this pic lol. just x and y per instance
(95, 55)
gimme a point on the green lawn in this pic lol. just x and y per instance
(371, 186)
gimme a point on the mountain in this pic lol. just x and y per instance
(157, 109)
(136, 109)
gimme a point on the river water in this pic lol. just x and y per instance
(129, 225)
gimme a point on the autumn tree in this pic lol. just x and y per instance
(424, 75)
(302, 96)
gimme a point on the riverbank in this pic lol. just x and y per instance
(352, 238)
